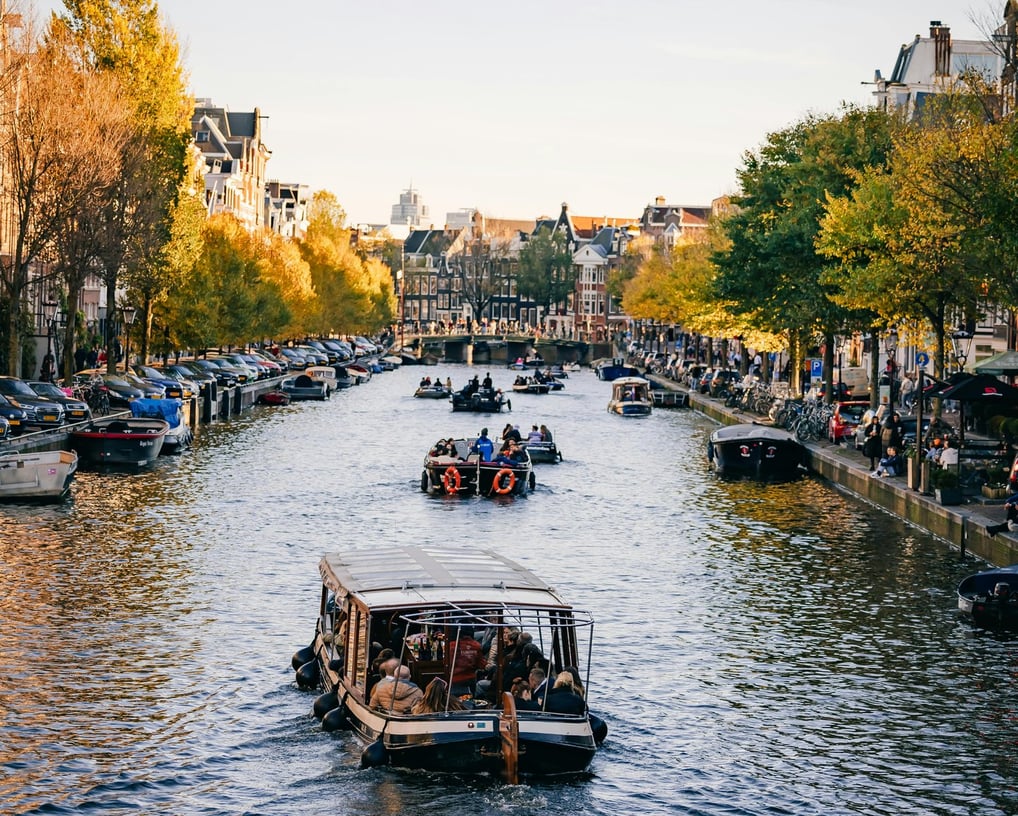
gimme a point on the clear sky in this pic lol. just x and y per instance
(516, 107)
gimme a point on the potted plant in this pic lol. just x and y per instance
(945, 486)
(996, 483)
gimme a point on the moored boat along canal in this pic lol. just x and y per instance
(757, 649)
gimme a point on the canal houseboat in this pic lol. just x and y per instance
(630, 397)
(757, 451)
(422, 602)
(450, 467)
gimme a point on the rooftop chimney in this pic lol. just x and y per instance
(941, 36)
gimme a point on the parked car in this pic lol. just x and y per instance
(5, 428)
(225, 378)
(722, 380)
(16, 416)
(75, 410)
(241, 376)
(195, 373)
(120, 392)
(191, 382)
(173, 389)
(846, 419)
(41, 412)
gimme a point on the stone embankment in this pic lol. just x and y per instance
(964, 526)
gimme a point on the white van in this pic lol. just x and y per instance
(857, 380)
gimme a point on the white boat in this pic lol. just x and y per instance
(425, 601)
(630, 397)
(42, 475)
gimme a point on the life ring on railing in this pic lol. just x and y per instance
(451, 480)
(497, 485)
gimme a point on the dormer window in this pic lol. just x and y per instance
(201, 136)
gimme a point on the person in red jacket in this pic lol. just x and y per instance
(469, 657)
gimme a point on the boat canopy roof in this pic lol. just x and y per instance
(400, 576)
(624, 381)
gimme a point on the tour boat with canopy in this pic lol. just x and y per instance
(421, 602)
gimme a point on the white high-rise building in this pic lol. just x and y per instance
(410, 211)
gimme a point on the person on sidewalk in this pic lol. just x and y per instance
(1011, 508)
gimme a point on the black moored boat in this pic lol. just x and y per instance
(423, 602)
(990, 598)
(757, 451)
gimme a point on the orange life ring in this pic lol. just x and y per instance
(451, 479)
(496, 483)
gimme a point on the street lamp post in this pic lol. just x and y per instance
(399, 281)
(128, 313)
(49, 363)
(961, 342)
(891, 347)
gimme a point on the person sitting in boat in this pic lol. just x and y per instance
(469, 660)
(535, 434)
(538, 682)
(505, 432)
(515, 435)
(436, 695)
(504, 456)
(424, 382)
(483, 446)
(545, 434)
(520, 380)
(563, 699)
(396, 693)
(448, 384)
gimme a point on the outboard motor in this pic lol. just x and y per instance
(1002, 590)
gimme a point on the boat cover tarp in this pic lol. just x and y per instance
(168, 409)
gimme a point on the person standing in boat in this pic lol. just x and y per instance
(469, 660)
(487, 381)
(483, 446)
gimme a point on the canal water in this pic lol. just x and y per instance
(777, 649)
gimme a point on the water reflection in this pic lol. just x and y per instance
(772, 648)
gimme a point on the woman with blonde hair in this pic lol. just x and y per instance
(434, 699)
(563, 699)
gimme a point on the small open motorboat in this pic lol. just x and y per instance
(274, 397)
(305, 387)
(39, 476)
(462, 473)
(630, 397)
(483, 400)
(758, 451)
(120, 440)
(439, 609)
(529, 385)
(435, 391)
(179, 436)
(990, 598)
(542, 452)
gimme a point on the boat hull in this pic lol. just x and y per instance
(469, 742)
(755, 451)
(485, 479)
(41, 476)
(630, 408)
(978, 602)
(134, 442)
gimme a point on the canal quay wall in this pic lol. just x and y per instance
(963, 526)
(212, 405)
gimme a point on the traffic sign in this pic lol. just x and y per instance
(922, 359)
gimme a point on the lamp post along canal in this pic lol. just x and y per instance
(128, 313)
